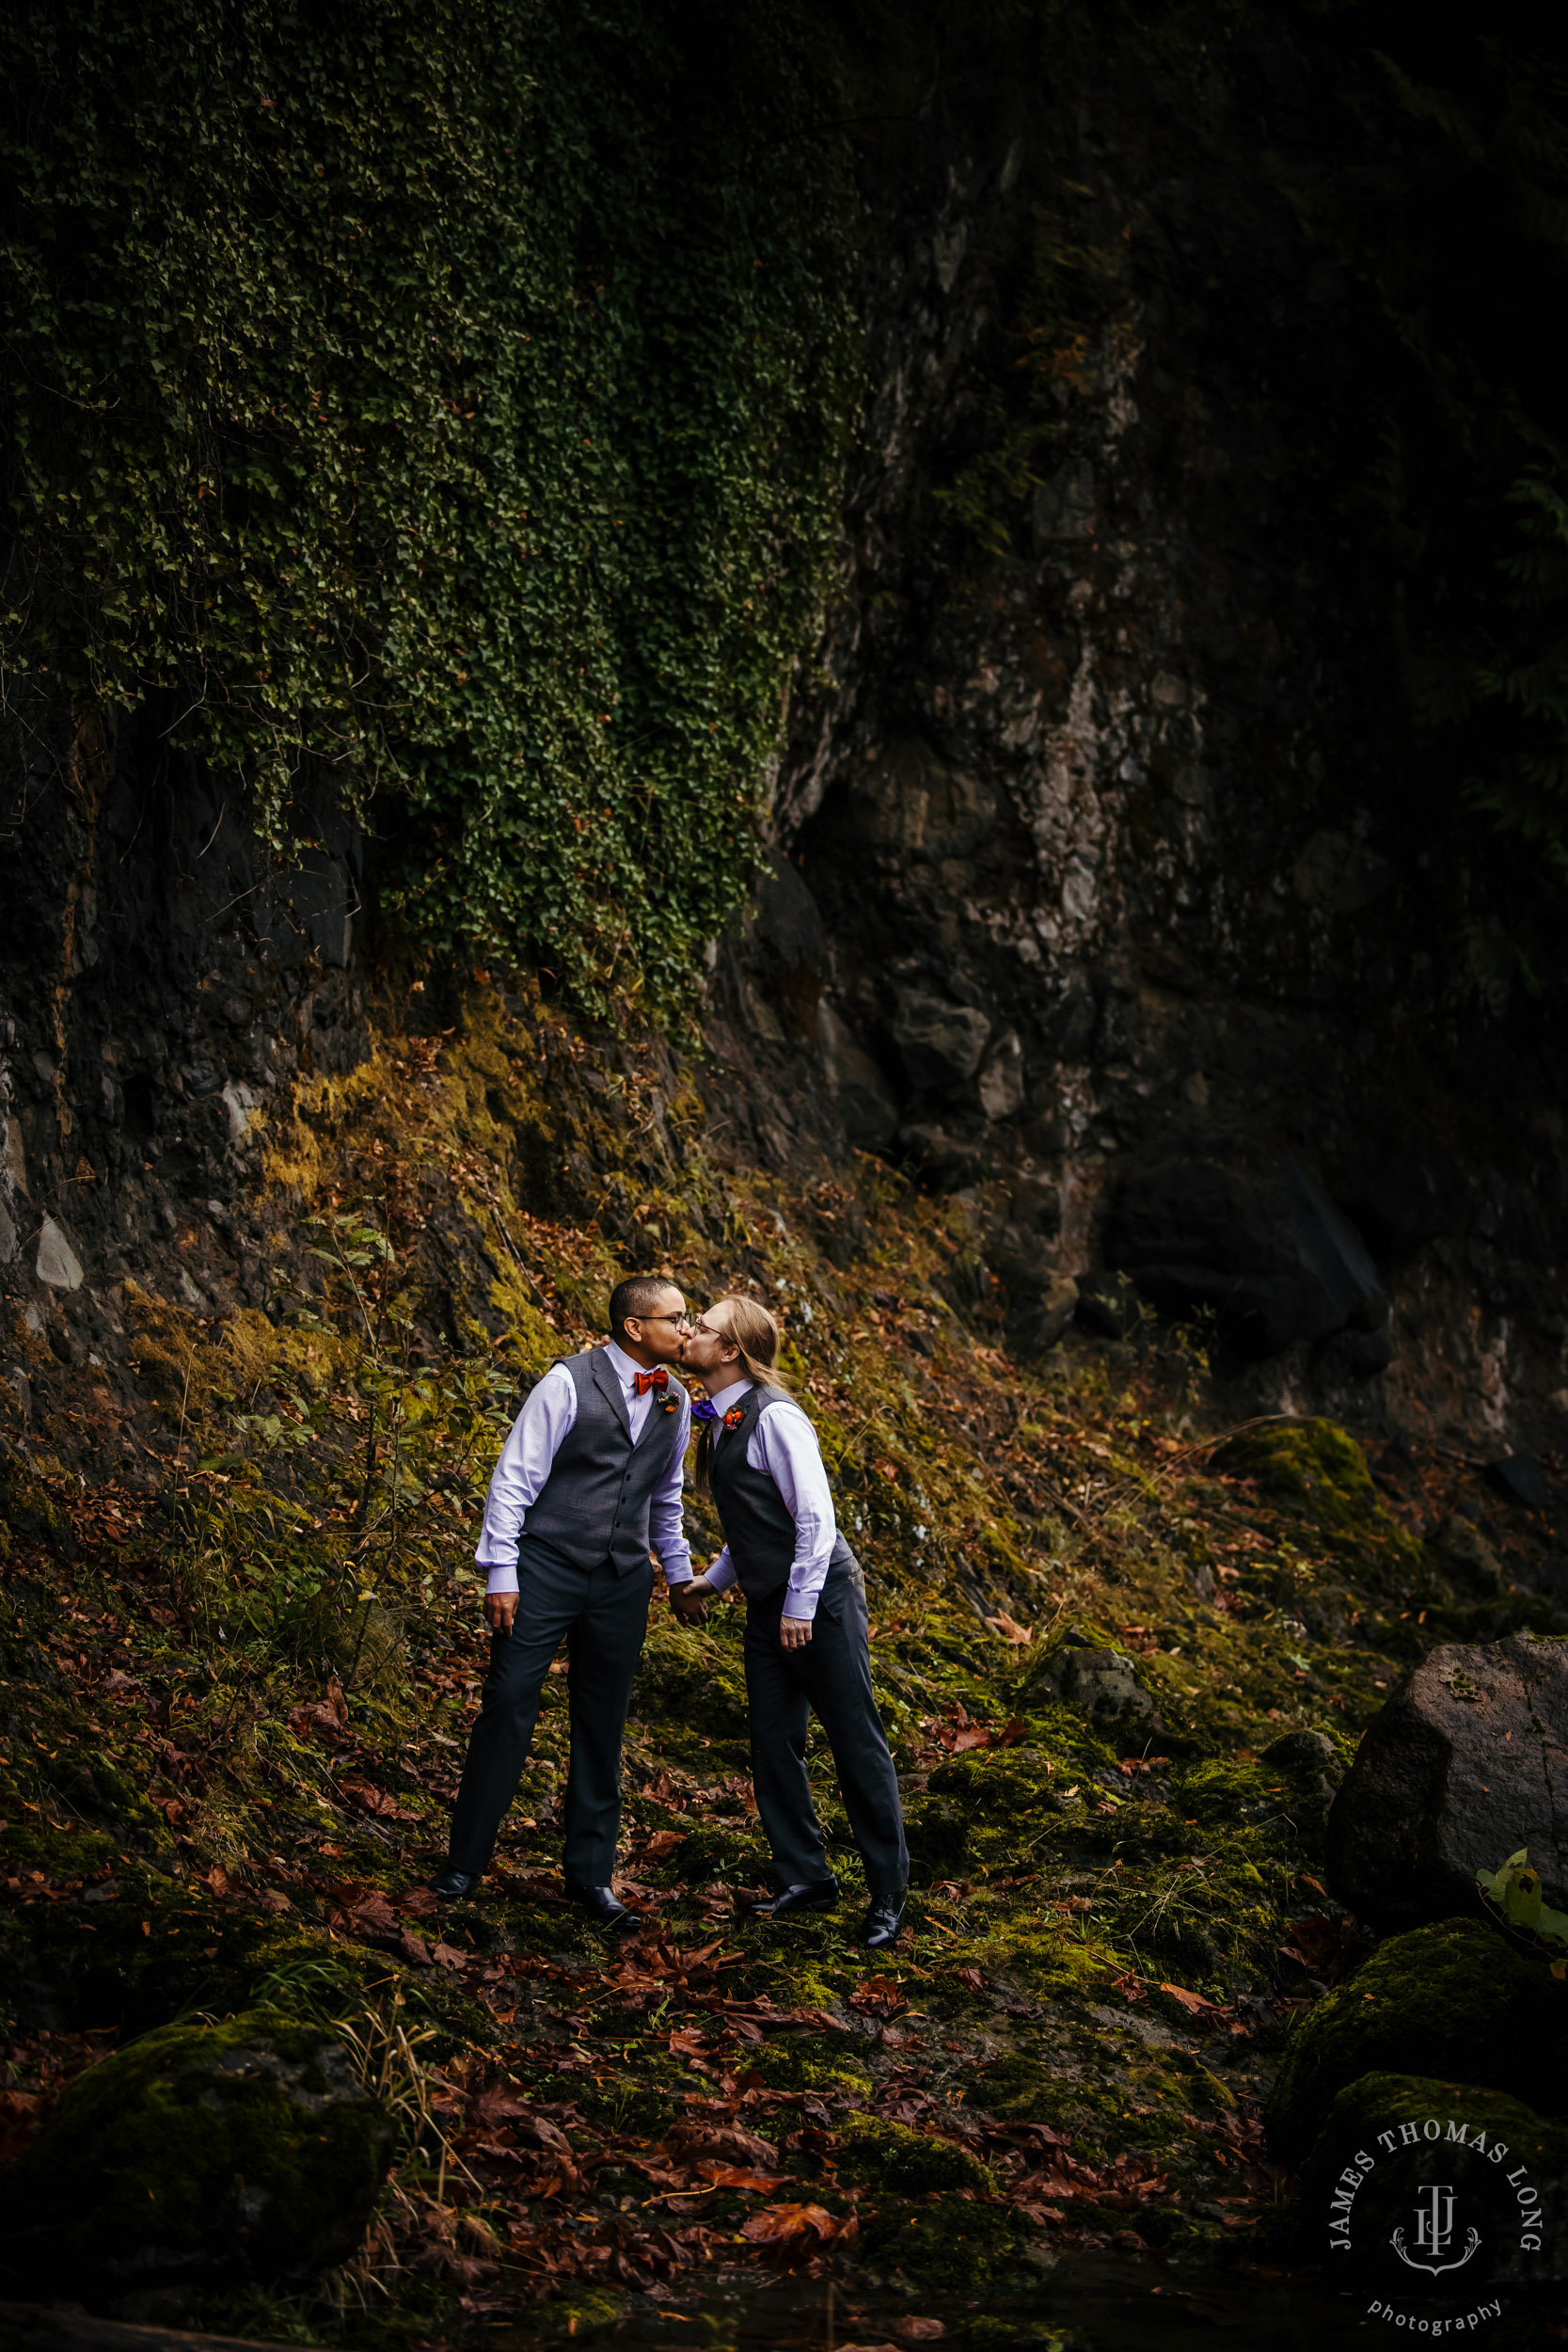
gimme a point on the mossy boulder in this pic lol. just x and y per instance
(1004, 1786)
(28, 1512)
(159, 1948)
(1313, 1470)
(199, 2157)
(1452, 2000)
(1386, 2138)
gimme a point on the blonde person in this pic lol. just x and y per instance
(806, 1647)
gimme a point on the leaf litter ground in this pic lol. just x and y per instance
(239, 1691)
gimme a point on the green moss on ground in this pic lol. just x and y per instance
(890, 2158)
(949, 2243)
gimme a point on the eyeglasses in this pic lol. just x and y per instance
(682, 1322)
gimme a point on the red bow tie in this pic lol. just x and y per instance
(657, 1378)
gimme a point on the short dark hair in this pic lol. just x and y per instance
(638, 1294)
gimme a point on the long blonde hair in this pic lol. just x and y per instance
(749, 1328)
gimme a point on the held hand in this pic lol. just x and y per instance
(500, 1612)
(689, 1602)
(795, 1632)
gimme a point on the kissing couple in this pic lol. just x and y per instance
(588, 1487)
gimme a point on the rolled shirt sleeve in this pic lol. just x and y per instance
(784, 1443)
(536, 1439)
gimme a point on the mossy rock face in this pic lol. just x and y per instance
(1221, 1790)
(689, 1680)
(1314, 1469)
(1387, 2138)
(1452, 2000)
(202, 2157)
(946, 2241)
(886, 2155)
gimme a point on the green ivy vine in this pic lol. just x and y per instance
(444, 399)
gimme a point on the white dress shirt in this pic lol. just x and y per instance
(549, 1413)
(784, 1443)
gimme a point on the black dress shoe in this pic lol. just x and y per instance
(884, 1916)
(821, 1896)
(601, 1903)
(451, 1883)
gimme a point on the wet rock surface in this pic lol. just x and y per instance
(1464, 1765)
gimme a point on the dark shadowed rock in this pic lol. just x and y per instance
(1451, 1999)
(1264, 1251)
(1109, 1303)
(941, 1043)
(945, 1161)
(201, 2156)
(1406, 1199)
(1466, 1555)
(1521, 1478)
(1467, 1762)
(861, 1094)
(1039, 1320)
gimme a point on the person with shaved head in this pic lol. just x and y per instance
(588, 1483)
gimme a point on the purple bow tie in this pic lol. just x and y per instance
(704, 1408)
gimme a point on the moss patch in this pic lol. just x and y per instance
(947, 2241)
(887, 2156)
(1452, 2000)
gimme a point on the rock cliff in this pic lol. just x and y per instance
(1126, 916)
(1098, 891)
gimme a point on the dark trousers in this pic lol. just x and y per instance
(830, 1676)
(603, 1618)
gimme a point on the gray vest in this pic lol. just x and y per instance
(593, 1505)
(756, 1520)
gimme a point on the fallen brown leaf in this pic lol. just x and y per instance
(785, 2222)
(734, 2176)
